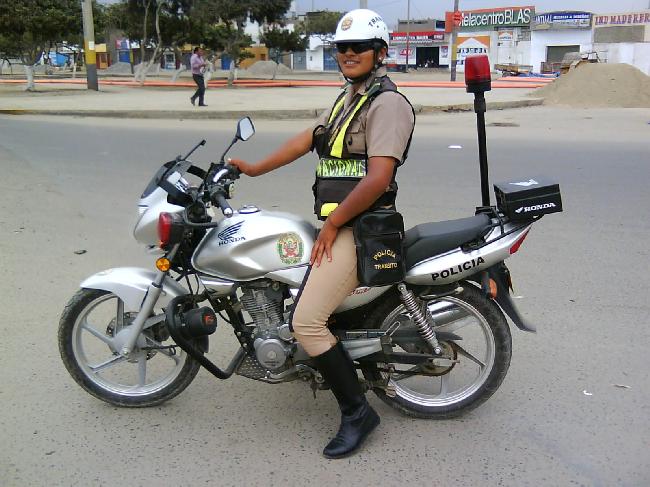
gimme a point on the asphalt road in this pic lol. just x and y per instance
(558, 419)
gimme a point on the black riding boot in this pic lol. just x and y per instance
(358, 419)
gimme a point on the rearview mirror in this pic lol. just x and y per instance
(245, 129)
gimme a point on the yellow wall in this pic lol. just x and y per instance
(261, 53)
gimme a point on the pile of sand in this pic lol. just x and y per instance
(599, 85)
(118, 68)
(154, 69)
(266, 69)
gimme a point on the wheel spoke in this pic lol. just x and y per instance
(454, 325)
(165, 352)
(98, 334)
(154, 320)
(466, 354)
(444, 384)
(119, 318)
(142, 369)
(107, 364)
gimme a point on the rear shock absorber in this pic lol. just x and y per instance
(419, 318)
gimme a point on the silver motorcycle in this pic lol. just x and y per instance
(433, 346)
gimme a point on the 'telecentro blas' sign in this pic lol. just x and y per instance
(490, 18)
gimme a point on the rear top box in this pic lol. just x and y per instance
(524, 199)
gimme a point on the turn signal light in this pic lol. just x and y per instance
(163, 264)
(478, 76)
(493, 289)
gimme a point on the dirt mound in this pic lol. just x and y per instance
(118, 68)
(599, 85)
(153, 69)
(266, 69)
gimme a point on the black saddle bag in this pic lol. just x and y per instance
(378, 237)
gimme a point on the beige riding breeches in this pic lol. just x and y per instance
(323, 290)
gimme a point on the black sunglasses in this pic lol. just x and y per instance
(357, 47)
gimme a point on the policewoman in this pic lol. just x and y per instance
(360, 141)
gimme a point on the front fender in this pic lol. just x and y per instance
(130, 284)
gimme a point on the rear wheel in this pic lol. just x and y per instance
(478, 362)
(91, 332)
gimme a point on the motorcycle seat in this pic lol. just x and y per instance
(430, 239)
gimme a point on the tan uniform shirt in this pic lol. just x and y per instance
(381, 128)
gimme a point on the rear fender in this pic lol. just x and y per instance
(500, 274)
(130, 284)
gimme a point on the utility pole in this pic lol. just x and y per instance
(454, 39)
(408, 32)
(363, 3)
(89, 45)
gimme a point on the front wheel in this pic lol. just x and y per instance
(92, 331)
(477, 363)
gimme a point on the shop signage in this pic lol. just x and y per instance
(122, 44)
(418, 38)
(562, 20)
(490, 18)
(398, 56)
(637, 18)
(506, 36)
(470, 45)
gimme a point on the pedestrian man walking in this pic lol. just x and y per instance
(198, 66)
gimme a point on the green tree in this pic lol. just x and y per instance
(223, 23)
(280, 40)
(30, 27)
(154, 23)
(322, 23)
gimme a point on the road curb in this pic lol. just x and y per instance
(495, 105)
(256, 114)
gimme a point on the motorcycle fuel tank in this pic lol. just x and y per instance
(253, 243)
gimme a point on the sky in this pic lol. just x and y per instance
(391, 10)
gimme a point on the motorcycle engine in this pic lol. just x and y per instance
(263, 300)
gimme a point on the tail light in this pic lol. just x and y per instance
(170, 229)
(518, 243)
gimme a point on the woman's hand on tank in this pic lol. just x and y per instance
(244, 167)
(323, 244)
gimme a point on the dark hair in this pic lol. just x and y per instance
(196, 49)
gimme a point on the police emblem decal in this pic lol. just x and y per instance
(346, 23)
(291, 248)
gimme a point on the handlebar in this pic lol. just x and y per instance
(218, 198)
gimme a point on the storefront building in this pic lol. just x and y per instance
(623, 38)
(556, 33)
(502, 33)
(321, 54)
(426, 49)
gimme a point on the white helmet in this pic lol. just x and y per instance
(361, 25)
